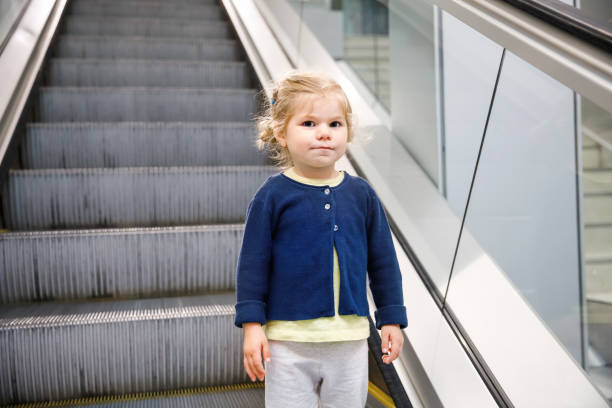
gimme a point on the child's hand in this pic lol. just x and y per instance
(392, 341)
(254, 340)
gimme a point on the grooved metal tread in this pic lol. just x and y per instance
(117, 46)
(136, 2)
(109, 104)
(145, 39)
(147, 72)
(103, 144)
(55, 351)
(147, 9)
(118, 262)
(51, 314)
(146, 26)
(246, 396)
(147, 170)
(130, 196)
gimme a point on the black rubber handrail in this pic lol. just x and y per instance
(570, 19)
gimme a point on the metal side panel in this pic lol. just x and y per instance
(21, 60)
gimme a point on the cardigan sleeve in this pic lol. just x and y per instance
(254, 263)
(383, 268)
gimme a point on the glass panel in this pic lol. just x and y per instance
(541, 210)
(599, 10)
(437, 106)
(366, 44)
(9, 13)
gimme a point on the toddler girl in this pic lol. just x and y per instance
(311, 234)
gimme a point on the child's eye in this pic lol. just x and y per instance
(336, 124)
(308, 123)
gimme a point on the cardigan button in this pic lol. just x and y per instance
(326, 191)
(335, 228)
(327, 206)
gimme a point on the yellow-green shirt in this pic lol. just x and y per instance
(335, 328)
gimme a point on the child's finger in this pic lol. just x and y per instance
(257, 365)
(266, 351)
(247, 368)
(252, 360)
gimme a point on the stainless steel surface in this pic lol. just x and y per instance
(165, 73)
(89, 104)
(130, 196)
(574, 62)
(93, 343)
(21, 60)
(99, 144)
(177, 48)
(116, 263)
(53, 352)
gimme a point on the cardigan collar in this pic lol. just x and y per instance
(304, 185)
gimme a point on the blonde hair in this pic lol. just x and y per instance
(285, 97)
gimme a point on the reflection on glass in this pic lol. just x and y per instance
(9, 12)
(547, 228)
(597, 215)
(356, 32)
(366, 44)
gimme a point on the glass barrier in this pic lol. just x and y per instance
(524, 161)
(10, 11)
(356, 32)
(541, 209)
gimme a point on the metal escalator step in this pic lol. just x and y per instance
(137, 2)
(81, 46)
(54, 351)
(130, 144)
(118, 263)
(155, 73)
(130, 196)
(106, 104)
(238, 396)
(142, 26)
(147, 9)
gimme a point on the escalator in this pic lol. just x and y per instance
(125, 218)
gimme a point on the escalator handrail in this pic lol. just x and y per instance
(568, 18)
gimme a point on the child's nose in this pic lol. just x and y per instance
(323, 132)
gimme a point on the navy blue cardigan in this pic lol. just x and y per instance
(285, 266)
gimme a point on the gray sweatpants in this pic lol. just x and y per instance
(306, 375)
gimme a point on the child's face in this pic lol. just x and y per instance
(316, 135)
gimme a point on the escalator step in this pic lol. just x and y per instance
(118, 263)
(130, 196)
(75, 104)
(129, 144)
(55, 351)
(156, 73)
(138, 8)
(80, 46)
(247, 396)
(142, 26)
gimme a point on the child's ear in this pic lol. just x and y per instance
(280, 137)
